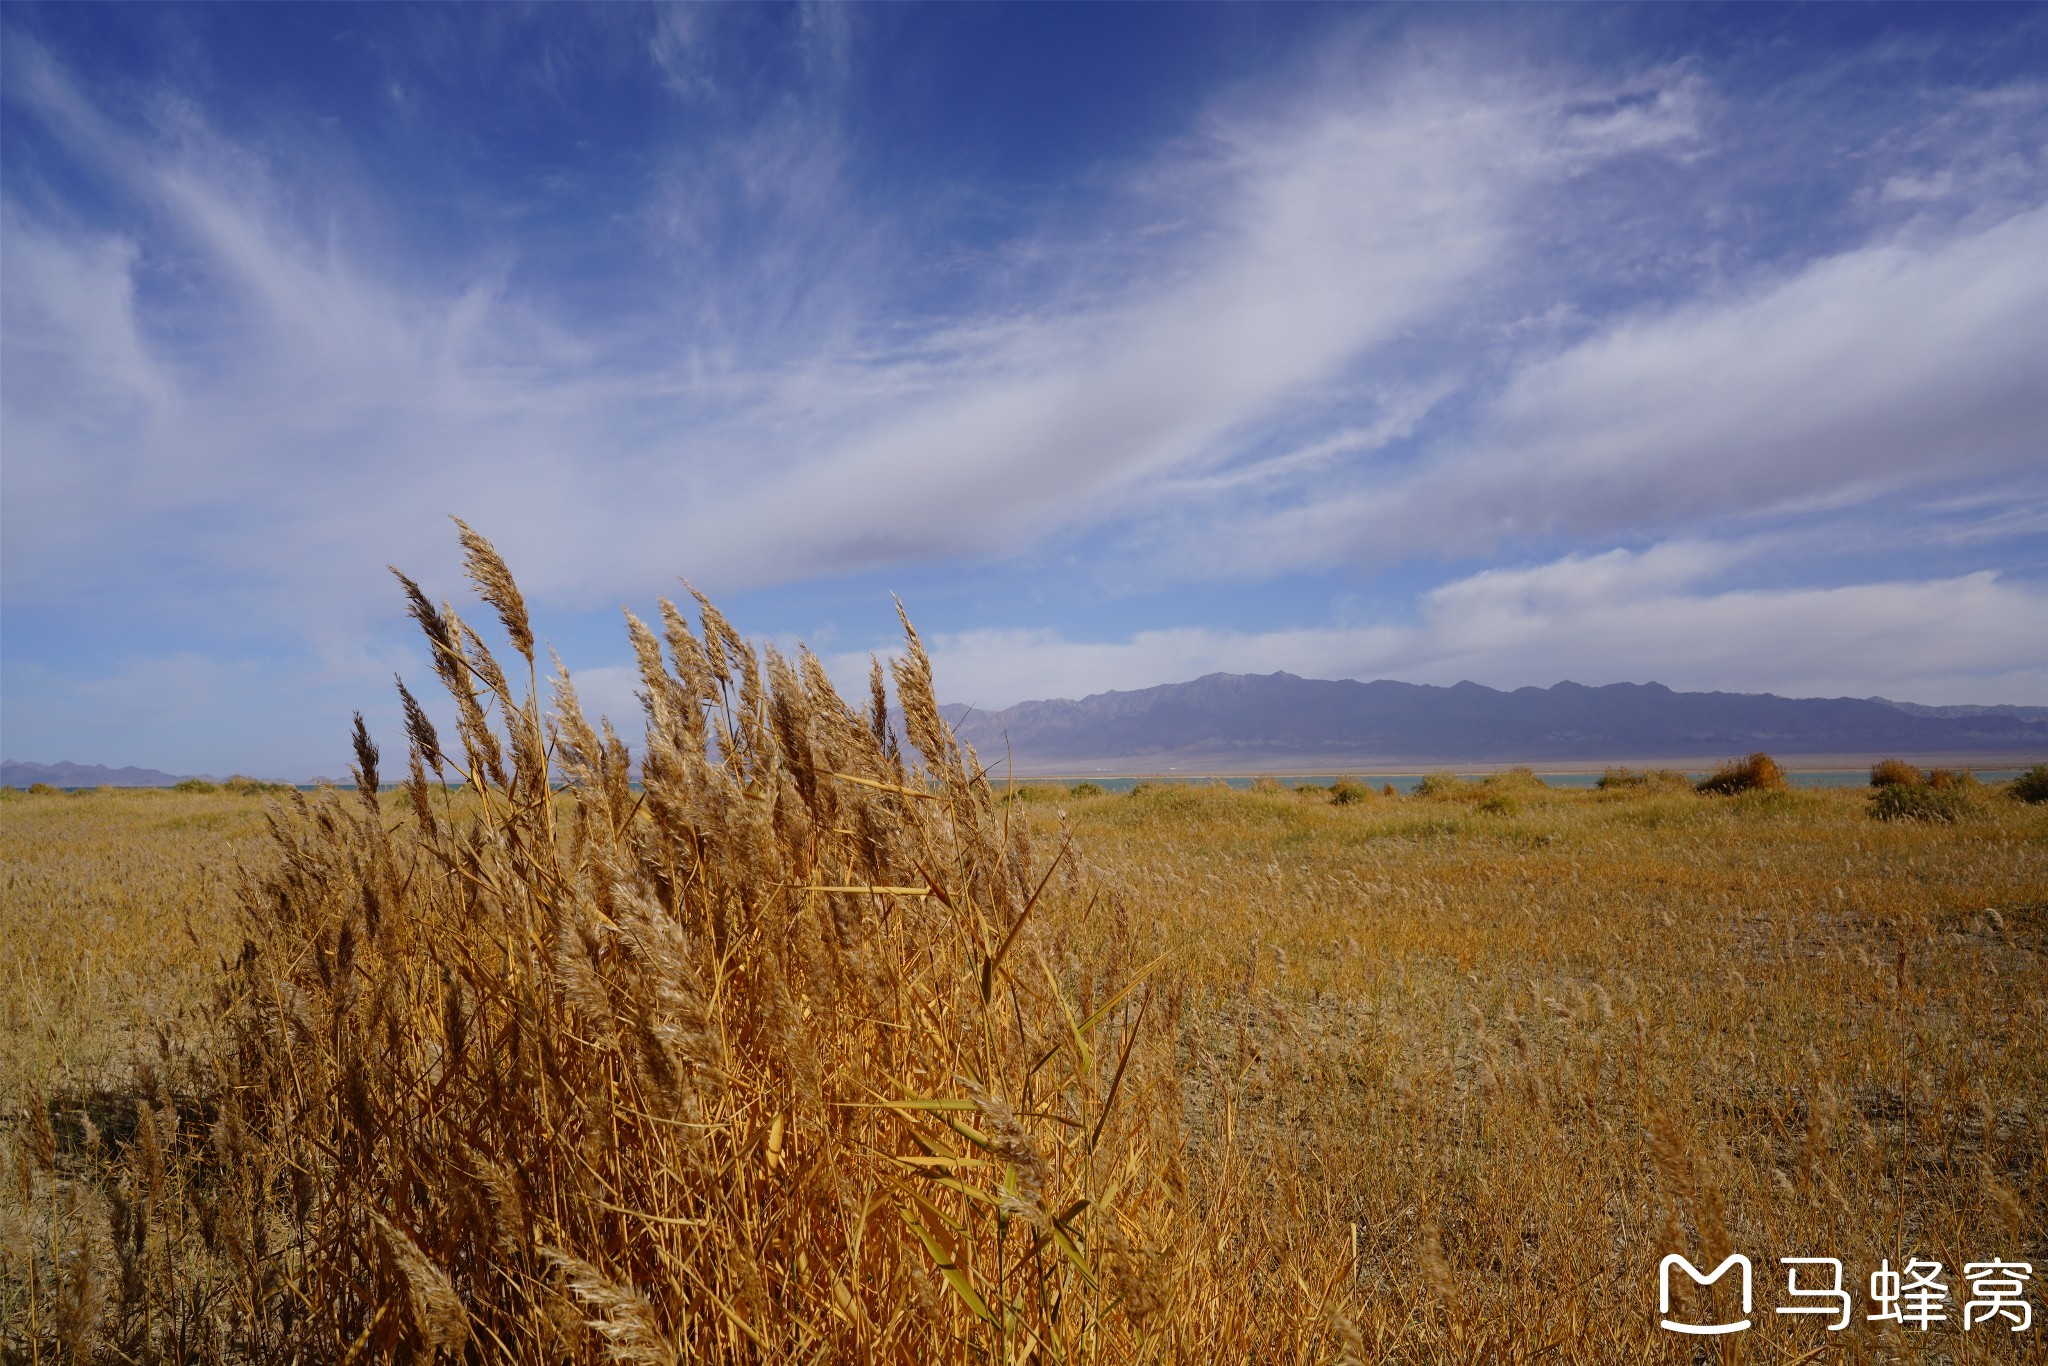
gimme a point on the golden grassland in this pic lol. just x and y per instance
(1510, 1040)
(117, 909)
(811, 1050)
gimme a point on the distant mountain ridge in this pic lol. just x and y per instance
(2002, 709)
(16, 773)
(1236, 721)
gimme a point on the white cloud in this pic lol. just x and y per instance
(335, 411)
(1618, 616)
(1892, 364)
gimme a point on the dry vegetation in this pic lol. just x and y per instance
(813, 1051)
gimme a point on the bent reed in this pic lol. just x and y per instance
(768, 1060)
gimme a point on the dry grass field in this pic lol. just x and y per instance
(810, 1051)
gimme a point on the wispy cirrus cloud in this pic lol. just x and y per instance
(1898, 363)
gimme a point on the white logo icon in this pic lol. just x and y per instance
(1664, 1292)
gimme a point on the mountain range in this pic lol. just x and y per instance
(1280, 722)
(16, 773)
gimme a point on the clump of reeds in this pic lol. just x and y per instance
(1626, 779)
(768, 1057)
(1442, 785)
(1758, 773)
(1346, 791)
(243, 786)
(1946, 802)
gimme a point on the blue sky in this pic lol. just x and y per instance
(1123, 343)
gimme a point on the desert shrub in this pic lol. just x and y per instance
(1894, 773)
(1033, 792)
(1346, 791)
(244, 786)
(1921, 802)
(2032, 786)
(1758, 773)
(194, 785)
(1953, 778)
(42, 790)
(1637, 781)
(1441, 785)
(1389, 790)
(1085, 790)
(1268, 786)
(778, 1057)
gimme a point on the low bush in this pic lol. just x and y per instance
(1894, 773)
(1758, 773)
(194, 785)
(41, 790)
(1440, 785)
(1920, 802)
(244, 786)
(2032, 786)
(1345, 791)
(1085, 790)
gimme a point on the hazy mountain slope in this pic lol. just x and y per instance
(1278, 718)
(16, 773)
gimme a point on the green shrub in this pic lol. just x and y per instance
(1894, 773)
(1085, 790)
(1613, 778)
(1440, 785)
(1920, 802)
(194, 785)
(243, 786)
(1758, 773)
(1031, 793)
(2032, 786)
(41, 790)
(1345, 791)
